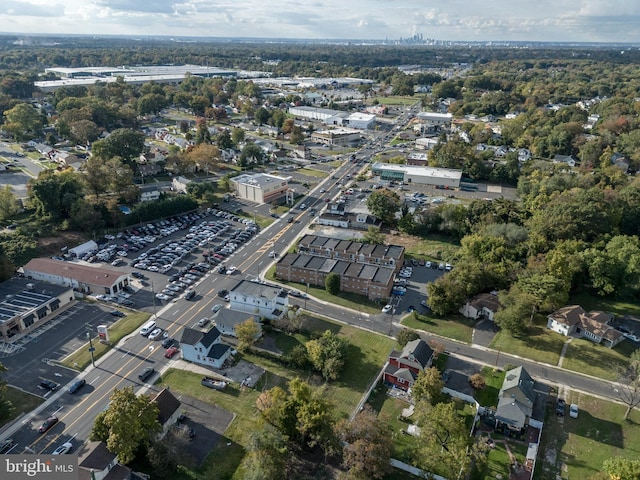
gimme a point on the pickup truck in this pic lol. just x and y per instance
(212, 383)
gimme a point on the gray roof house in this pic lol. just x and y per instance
(516, 399)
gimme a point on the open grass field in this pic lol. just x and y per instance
(22, 402)
(538, 344)
(394, 100)
(455, 326)
(366, 356)
(586, 357)
(311, 172)
(436, 247)
(81, 358)
(577, 447)
(610, 305)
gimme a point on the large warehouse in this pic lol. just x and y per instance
(414, 174)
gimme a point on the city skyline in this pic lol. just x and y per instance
(590, 21)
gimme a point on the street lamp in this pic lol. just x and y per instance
(91, 349)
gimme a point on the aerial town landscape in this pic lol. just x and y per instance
(315, 259)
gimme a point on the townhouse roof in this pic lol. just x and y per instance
(83, 274)
(193, 337)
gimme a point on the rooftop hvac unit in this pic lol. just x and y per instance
(31, 286)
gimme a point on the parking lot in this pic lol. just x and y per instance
(167, 258)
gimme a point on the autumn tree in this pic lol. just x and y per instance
(129, 422)
(405, 336)
(247, 334)
(267, 454)
(384, 204)
(477, 381)
(367, 445)
(328, 354)
(428, 386)
(619, 468)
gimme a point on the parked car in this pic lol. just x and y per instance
(223, 293)
(168, 342)
(117, 313)
(146, 373)
(560, 407)
(77, 385)
(387, 309)
(203, 321)
(49, 385)
(47, 424)
(216, 308)
(573, 411)
(6, 445)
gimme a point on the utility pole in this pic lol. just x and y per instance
(91, 348)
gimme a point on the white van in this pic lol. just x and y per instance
(147, 328)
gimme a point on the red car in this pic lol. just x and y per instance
(171, 351)
(48, 423)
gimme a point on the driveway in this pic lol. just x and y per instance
(483, 333)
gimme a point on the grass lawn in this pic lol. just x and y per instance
(539, 344)
(577, 447)
(346, 299)
(366, 355)
(436, 247)
(22, 402)
(611, 305)
(456, 326)
(587, 357)
(81, 358)
(394, 100)
(498, 459)
(488, 396)
(313, 173)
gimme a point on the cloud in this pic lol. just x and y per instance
(27, 9)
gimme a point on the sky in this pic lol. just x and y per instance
(454, 20)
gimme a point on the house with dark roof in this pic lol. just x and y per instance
(168, 409)
(228, 319)
(594, 325)
(95, 462)
(515, 400)
(204, 348)
(404, 366)
(482, 305)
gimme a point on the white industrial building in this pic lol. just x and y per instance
(435, 118)
(336, 136)
(360, 120)
(327, 116)
(414, 174)
(255, 298)
(260, 188)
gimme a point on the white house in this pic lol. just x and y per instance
(227, 320)
(594, 325)
(204, 348)
(265, 300)
(482, 305)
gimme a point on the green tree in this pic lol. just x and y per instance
(125, 143)
(405, 336)
(6, 406)
(367, 445)
(384, 204)
(428, 386)
(373, 235)
(53, 194)
(251, 153)
(516, 310)
(23, 121)
(446, 294)
(7, 269)
(332, 283)
(328, 354)
(267, 454)
(619, 468)
(247, 334)
(225, 183)
(129, 422)
(261, 116)
(223, 139)
(8, 203)
(444, 440)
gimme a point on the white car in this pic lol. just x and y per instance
(155, 334)
(272, 254)
(573, 411)
(203, 321)
(62, 449)
(231, 270)
(162, 296)
(387, 309)
(428, 264)
(216, 308)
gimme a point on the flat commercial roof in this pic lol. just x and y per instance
(433, 172)
(17, 297)
(84, 274)
(254, 289)
(258, 180)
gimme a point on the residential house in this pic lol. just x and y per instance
(515, 400)
(594, 325)
(255, 298)
(168, 410)
(227, 320)
(404, 366)
(482, 305)
(569, 160)
(204, 348)
(356, 221)
(95, 462)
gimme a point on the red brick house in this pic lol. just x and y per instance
(404, 365)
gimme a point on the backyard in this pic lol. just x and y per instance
(577, 447)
